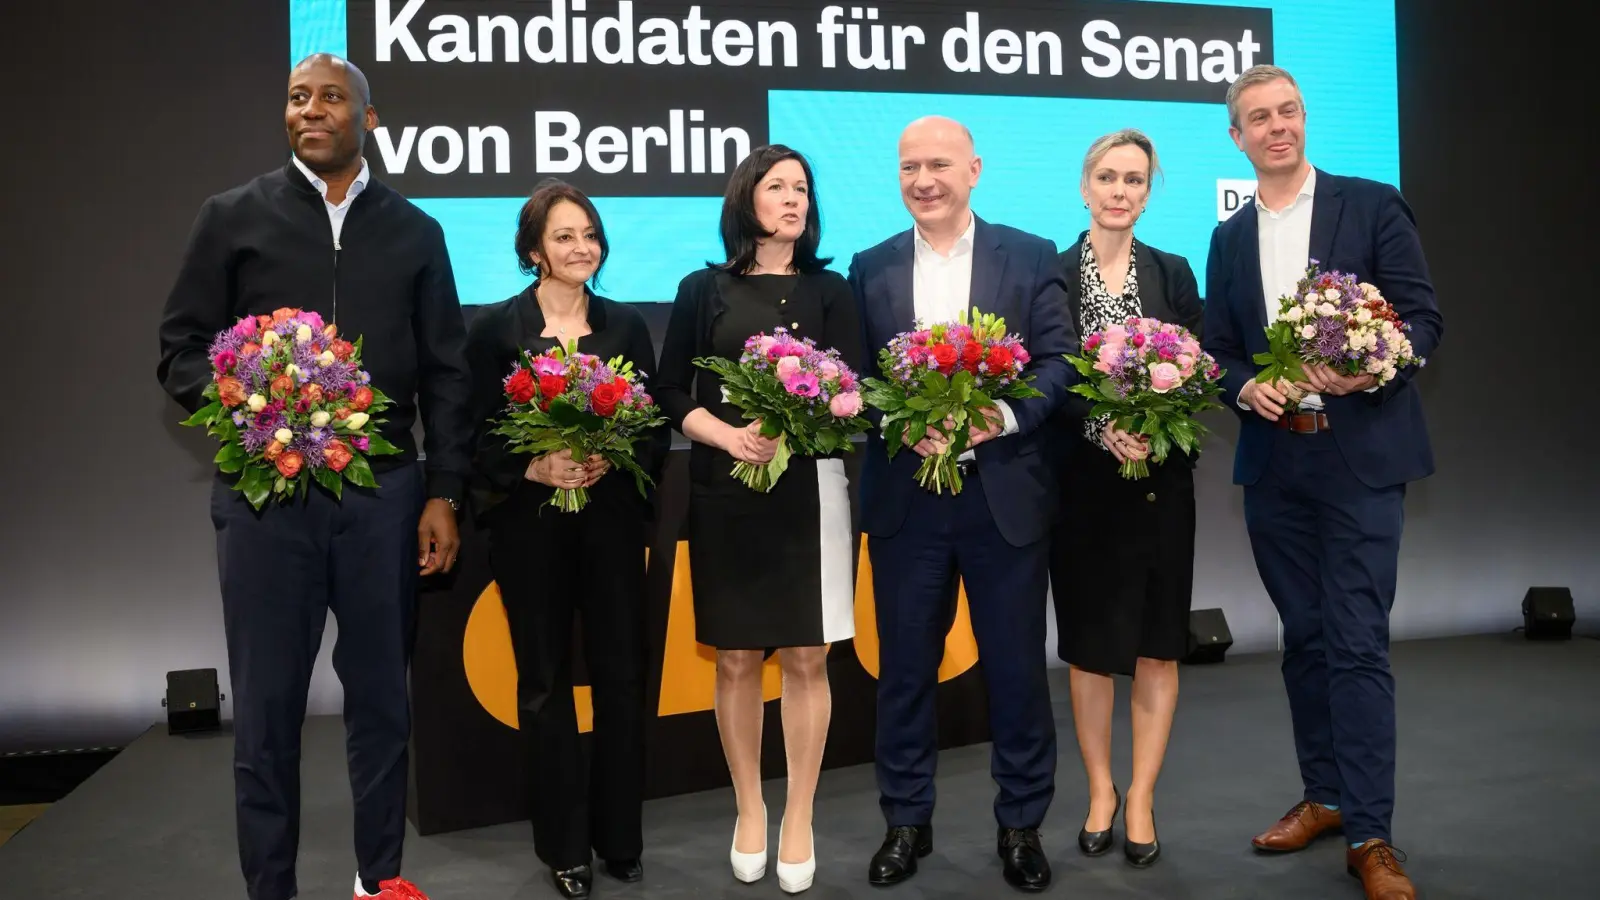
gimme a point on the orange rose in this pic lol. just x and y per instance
(283, 314)
(361, 399)
(338, 455)
(342, 349)
(250, 348)
(311, 393)
(344, 412)
(330, 331)
(282, 386)
(264, 321)
(273, 451)
(230, 391)
(289, 464)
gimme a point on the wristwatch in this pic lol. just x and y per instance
(455, 505)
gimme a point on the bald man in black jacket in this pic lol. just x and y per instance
(321, 234)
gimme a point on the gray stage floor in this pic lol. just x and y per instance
(1497, 789)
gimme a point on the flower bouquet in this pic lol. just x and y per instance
(944, 378)
(291, 405)
(1151, 378)
(566, 399)
(805, 397)
(1334, 320)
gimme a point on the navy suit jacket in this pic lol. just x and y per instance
(1014, 275)
(1358, 226)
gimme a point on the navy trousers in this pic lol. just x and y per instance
(1327, 547)
(282, 570)
(914, 580)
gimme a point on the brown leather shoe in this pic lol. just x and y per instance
(1378, 866)
(1298, 828)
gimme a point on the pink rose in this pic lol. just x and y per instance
(246, 328)
(845, 405)
(788, 367)
(1116, 334)
(847, 381)
(830, 369)
(1092, 342)
(766, 343)
(921, 338)
(1164, 377)
(1103, 365)
(1185, 365)
(1137, 340)
(1020, 355)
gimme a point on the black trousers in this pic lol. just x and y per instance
(551, 565)
(282, 570)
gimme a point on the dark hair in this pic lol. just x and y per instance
(536, 212)
(741, 230)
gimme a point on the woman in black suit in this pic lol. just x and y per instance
(1122, 563)
(771, 570)
(550, 564)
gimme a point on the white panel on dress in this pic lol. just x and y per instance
(838, 583)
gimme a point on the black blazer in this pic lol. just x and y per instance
(1167, 291)
(495, 340)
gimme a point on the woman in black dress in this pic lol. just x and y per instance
(1122, 563)
(550, 564)
(770, 570)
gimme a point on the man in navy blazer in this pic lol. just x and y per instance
(1324, 480)
(995, 532)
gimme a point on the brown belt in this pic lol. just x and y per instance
(1304, 422)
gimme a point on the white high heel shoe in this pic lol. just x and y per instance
(748, 867)
(796, 877)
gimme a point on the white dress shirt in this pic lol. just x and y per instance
(941, 289)
(336, 213)
(1284, 242)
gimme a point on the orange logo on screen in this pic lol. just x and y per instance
(689, 669)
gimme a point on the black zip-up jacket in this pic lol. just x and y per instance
(269, 244)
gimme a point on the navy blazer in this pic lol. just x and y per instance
(1358, 226)
(1014, 275)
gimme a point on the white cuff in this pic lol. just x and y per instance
(1009, 416)
(1240, 400)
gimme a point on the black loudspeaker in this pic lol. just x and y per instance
(193, 702)
(1209, 637)
(1547, 614)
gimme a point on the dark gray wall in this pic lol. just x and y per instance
(131, 114)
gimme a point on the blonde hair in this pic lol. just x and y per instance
(1106, 143)
(1253, 76)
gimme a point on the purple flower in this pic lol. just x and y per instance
(1330, 337)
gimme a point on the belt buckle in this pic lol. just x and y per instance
(964, 466)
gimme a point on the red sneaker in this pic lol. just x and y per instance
(395, 889)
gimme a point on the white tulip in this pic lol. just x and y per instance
(256, 403)
(268, 338)
(319, 418)
(326, 359)
(283, 435)
(356, 420)
(294, 371)
(303, 334)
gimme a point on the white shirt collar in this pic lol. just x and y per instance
(356, 187)
(1308, 189)
(963, 244)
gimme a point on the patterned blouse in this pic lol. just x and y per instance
(1100, 309)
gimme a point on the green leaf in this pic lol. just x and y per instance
(256, 485)
(204, 414)
(330, 480)
(936, 383)
(359, 472)
(565, 414)
(378, 445)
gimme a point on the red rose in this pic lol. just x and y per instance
(289, 464)
(1000, 360)
(282, 385)
(550, 387)
(605, 398)
(519, 387)
(230, 391)
(338, 455)
(312, 393)
(273, 451)
(361, 399)
(944, 356)
(971, 355)
(342, 349)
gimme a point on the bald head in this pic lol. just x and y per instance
(939, 167)
(939, 128)
(328, 115)
(354, 78)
